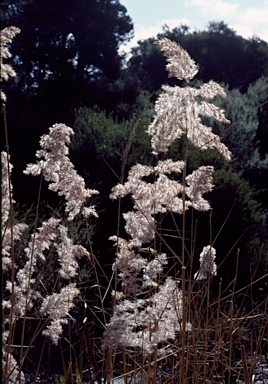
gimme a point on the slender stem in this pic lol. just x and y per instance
(28, 299)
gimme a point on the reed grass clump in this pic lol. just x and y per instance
(168, 322)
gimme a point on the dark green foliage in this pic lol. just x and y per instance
(238, 220)
(245, 228)
(100, 136)
(241, 137)
(98, 151)
(220, 53)
(103, 137)
(67, 52)
(247, 134)
(67, 62)
(147, 65)
(66, 56)
(67, 40)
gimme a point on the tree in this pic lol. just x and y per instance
(220, 53)
(67, 40)
(241, 137)
(247, 136)
(66, 56)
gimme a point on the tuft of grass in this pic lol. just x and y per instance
(228, 325)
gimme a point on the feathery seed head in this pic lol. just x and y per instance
(6, 36)
(180, 64)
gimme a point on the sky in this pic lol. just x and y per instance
(247, 17)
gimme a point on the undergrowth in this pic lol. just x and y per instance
(158, 317)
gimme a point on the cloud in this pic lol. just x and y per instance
(243, 30)
(143, 33)
(215, 8)
(248, 32)
(264, 34)
(247, 22)
(253, 22)
(254, 16)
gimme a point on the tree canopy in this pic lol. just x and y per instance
(67, 54)
(221, 54)
(67, 60)
(67, 39)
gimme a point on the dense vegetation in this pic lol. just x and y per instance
(69, 70)
(67, 63)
